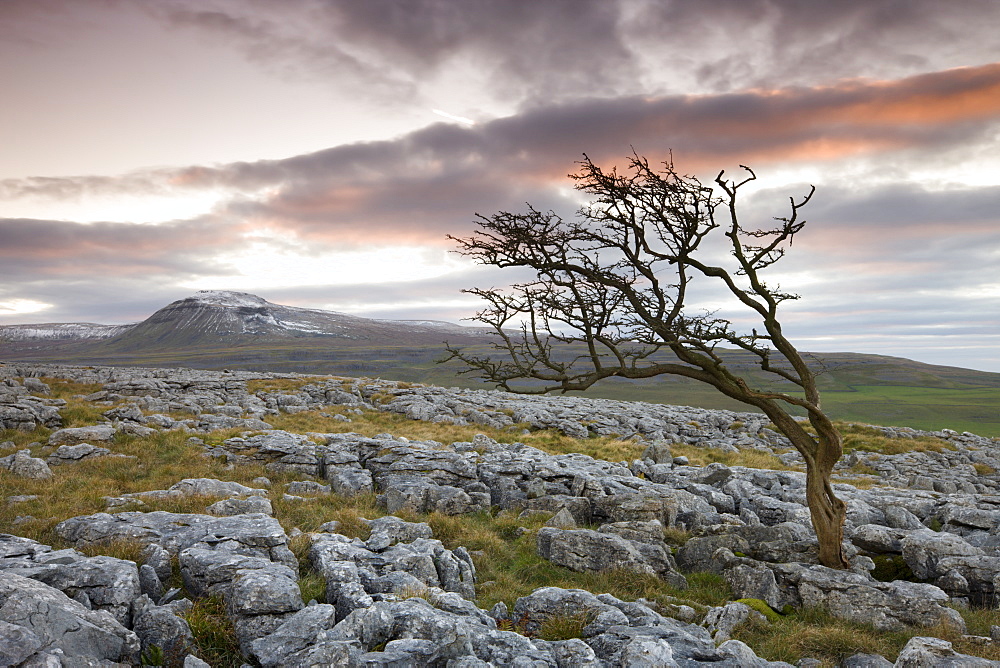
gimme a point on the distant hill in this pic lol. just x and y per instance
(216, 320)
(220, 329)
(60, 331)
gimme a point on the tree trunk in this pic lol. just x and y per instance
(828, 514)
(821, 454)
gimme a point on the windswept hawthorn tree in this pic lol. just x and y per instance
(610, 297)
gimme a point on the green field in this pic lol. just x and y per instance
(974, 409)
(874, 389)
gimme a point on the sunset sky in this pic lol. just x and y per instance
(317, 152)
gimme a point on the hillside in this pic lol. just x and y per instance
(230, 330)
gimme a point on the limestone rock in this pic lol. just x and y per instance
(249, 505)
(69, 454)
(22, 464)
(251, 535)
(60, 623)
(721, 621)
(922, 652)
(886, 605)
(103, 433)
(922, 551)
(588, 550)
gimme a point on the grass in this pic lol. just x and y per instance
(508, 566)
(815, 633)
(62, 388)
(309, 515)
(155, 462)
(281, 384)
(122, 548)
(214, 635)
(972, 409)
(868, 438)
(564, 627)
(757, 459)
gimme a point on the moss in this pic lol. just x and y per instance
(761, 607)
(891, 567)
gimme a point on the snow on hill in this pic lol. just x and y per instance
(225, 314)
(55, 331)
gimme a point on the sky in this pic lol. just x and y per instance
(317, 153)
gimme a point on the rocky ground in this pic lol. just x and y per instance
(402, 597)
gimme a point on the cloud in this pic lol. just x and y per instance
(430, 181)
(382, 48)
(49, 249)
(523, 52)
(733, 45)
(536, 148)
(288, 42)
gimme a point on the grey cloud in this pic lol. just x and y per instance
(294, 48)
(92, 298)
(65, 250)
(524, 48)
(69, 187)
(741, 44)
(559, 50)
(538, 147)
(905, 204)
(432, 179)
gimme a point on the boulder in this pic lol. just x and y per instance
(588, 550)
(350, 481)
(923, 652)
(70, 454)
(59, 624)
(885, 605)
(249, 505)
(22, 464)
(250, 535)
(36, 386)
(922, 550)
(162, 627)
(102, 433)
(533, 610)
(389, 530)
(303, 640)
(721, 621)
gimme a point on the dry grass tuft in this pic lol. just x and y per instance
(757, 459)
(214, 634)
(281, 384)
(129, 549)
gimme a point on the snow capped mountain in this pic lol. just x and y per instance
(217, 317)
(229, 298)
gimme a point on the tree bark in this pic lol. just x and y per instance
(826, 510)
(821, 454)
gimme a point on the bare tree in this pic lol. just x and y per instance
(610, 297)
